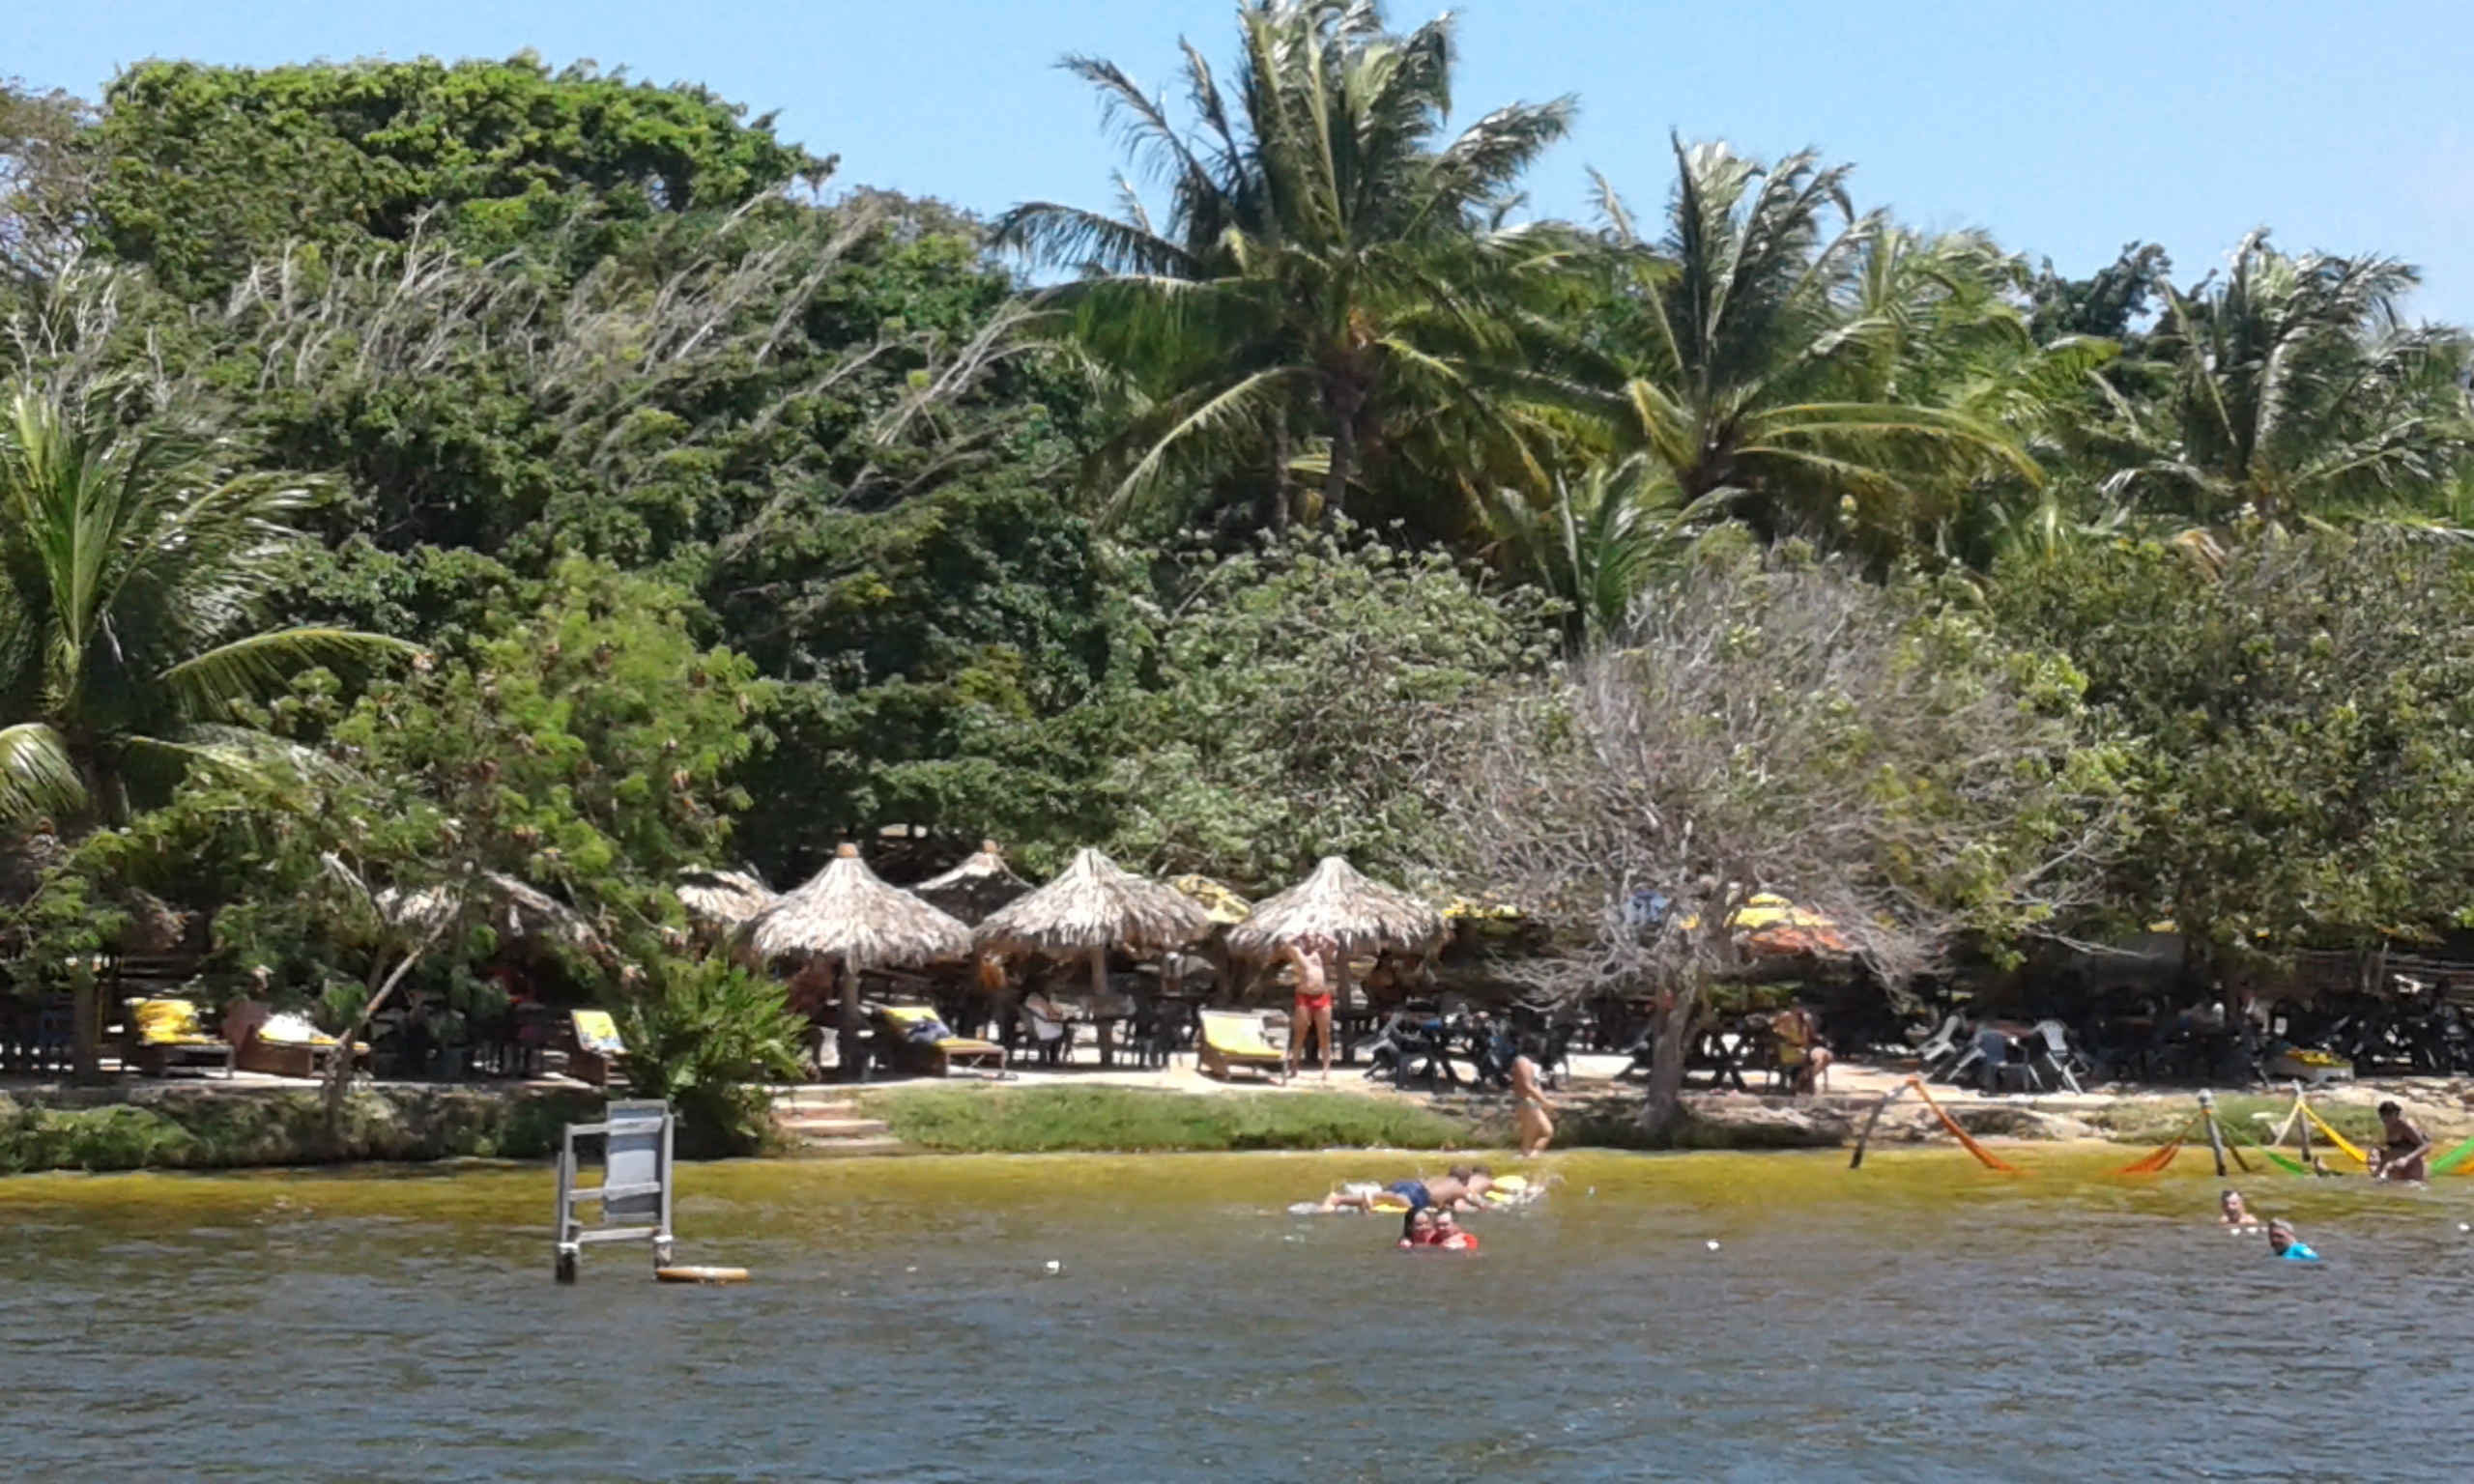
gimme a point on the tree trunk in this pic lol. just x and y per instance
(1280, 471)
(1658, 1113)
(339, 1067)
(85, 1053)
(854, 1057)
(1336, 485)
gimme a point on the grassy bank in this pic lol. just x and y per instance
(2152, 1120)
(1135, 1119)
(196, 1129)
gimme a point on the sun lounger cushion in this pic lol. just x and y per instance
(169, 1023)
(905, 1017)
(1238, 1034)
(597, 1033)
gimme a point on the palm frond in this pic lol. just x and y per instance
(205, 686)
(37, 778)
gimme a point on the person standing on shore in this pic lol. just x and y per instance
(1306, 956)
(1530, 1116)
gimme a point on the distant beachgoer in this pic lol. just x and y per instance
(1306, 956)
(2283, 1243)
(2402, 1147)
(2235, 1216)
(1800, 1050)
(1530, 1116)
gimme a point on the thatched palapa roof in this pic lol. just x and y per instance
(724, 899)
(849, 917)
(517, 911)
(1360, 915)
(1094, 904)
(976, 888)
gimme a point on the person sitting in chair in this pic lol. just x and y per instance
(1802, 1053)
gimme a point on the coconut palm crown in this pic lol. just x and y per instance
(131, 569)
(1330, 268)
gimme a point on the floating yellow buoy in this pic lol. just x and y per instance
(701, 1275)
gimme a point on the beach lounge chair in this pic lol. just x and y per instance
(164, 1034)
(288, 1045)
(1232, 1038)
(900, 1031)
(597, 1048)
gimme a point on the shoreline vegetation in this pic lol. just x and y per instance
(203, 1127)
(460, 521)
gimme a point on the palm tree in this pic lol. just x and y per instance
(1333, 278)
(2297, 391)
(1808, 377)
(131, 566)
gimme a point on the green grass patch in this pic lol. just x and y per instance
(1122, 1120)
(2153, 1121)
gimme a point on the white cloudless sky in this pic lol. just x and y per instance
(2067, 128)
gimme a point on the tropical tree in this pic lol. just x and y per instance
(2297, 390)
(1815, 380)
(1333, 278)
(131, 566)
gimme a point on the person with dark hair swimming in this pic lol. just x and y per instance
(1460, 1189)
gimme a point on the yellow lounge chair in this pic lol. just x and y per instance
(896, 1025)
(1232, 1038)
(164, 1033)
(597, 1046)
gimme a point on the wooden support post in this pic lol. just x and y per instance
(2302, 1121)
(2215, 1138)
(1856, 1162)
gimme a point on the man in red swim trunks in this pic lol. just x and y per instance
(1309, 957)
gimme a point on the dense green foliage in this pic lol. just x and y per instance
(443, 483)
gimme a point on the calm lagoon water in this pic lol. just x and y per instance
(1920, 1319)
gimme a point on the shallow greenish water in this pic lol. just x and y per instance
(1919, 1319)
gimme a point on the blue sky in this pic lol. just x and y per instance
(2066, 127)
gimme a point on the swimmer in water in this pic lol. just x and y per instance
(2283, 1243)
(2236, 1217)
(1421, 1232)
(1449, 1235)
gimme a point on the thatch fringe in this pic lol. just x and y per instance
(1362, 916)
(976, 888)
(847, 917)
(724, 900)
(1095, 905)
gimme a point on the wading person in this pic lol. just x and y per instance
(1307, 956)
(1529, 1115)
(2402, 1147)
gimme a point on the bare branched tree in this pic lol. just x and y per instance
(1781, 729)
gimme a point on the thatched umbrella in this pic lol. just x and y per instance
(976, 888)
(1094, 906)
(847, 921)
(724, 900)
(1361, 916)
(517, 911)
